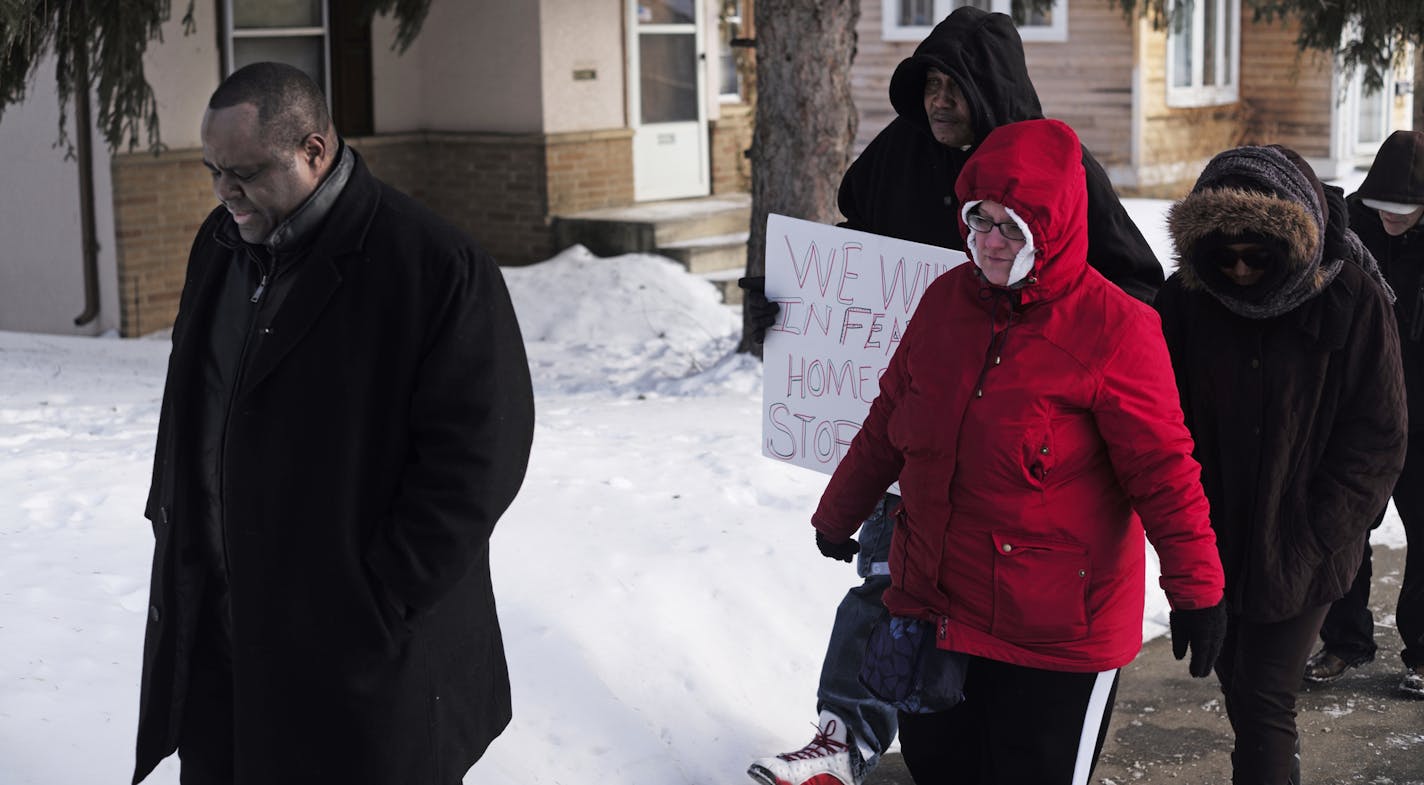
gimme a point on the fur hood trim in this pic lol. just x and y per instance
(1231, 211)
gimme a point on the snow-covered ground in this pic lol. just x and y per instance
(664, 607)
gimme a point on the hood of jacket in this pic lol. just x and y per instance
(984, 55)
(1035, 169)
(1397, 174)
(1265, 195)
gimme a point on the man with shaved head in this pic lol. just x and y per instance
(347, 413)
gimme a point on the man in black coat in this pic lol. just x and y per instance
(347, 413)
(965, 79)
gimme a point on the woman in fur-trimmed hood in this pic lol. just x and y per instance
(1287, 360)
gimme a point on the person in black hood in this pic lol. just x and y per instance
(965, 79)
(1385, 212)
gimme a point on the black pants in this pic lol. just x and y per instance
(1349, 628)
(1016, 726)
(1259, 670)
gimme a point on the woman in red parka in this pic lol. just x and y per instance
(1032, 420)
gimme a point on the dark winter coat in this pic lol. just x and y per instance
(1398, 176)
(1029, 428)
(1402, 261)
(380, 425)
(902, 184)
(1298, 418)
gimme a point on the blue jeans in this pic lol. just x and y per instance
(873, 723)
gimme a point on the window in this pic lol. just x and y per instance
(730, 89)
(321, 37)
(287, 31)
(1203, 52)
(912, 20)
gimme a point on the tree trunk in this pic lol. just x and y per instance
(805, 118)
(1418, 94)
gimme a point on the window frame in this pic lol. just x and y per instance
(1227, 57)
(230, 34)
(891, 30)
(724, 21)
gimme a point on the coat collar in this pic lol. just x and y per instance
(300, 227)
(341, 237)
(331, 247)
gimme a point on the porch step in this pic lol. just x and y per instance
(707, 235)
(709, 254)
(726, 283)
(647, 226)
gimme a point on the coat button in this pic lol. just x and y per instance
(153, 613)
(1043, 450)
(1008, 547)
(1082, 573)
(1255, 362)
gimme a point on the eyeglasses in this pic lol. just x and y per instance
(1255, 258)
(981, 223)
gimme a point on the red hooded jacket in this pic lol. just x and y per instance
(1029, 428)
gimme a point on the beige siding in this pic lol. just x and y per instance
(875, 61)
(1286, 95)
(1086, 81)
(1092, 94)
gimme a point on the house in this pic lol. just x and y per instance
(1155, 105)
(500, 116)
(512, 119)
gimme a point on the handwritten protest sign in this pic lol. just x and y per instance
(846, 298)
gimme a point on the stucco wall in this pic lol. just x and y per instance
(41, 256)
(184, 70)
(582, 36)
(474, 67)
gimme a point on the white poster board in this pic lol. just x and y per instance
(846, 298)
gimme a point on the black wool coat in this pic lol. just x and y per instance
(1299, 424)
(380, 426)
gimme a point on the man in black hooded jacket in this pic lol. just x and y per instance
(965, 79)
(1386, 213)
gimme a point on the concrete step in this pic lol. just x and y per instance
(709, 254)
(726, 283)
(648, 226)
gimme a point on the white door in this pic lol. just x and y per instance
(1371, 116)
(666, 92)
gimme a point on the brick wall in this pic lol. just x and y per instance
(731, 137)
(489, 185)
(586, 171)
(159, 203)
(500, 188)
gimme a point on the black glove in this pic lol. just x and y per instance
(762, 311)
(1203, 630)
(844, 551)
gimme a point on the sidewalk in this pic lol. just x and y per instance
(1170, 728)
